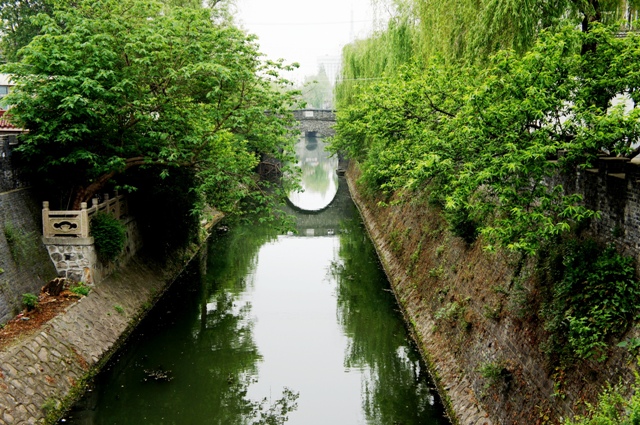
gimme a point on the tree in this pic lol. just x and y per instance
(109, 86)
(479, 140)
(318, 91)
(17, 26)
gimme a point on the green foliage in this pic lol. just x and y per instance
(18, 26)
(318, 91)
(482, 141)
(278, 412)
(109, 235)
(80, 288)
(436, 272)
(119, 309)
(632, 344)
(596, 297)
(29, 301)
(140, 84)
(493, 372)
(451, 312)
(461, 224)
(492, 312)
(464, 31)
(613, 407)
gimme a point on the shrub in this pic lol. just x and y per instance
(29, 301)
(80, 288)
(612, 408)
(597, 297)
(493, 373)
(109, 236)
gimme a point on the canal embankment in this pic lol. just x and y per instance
(43, 373)
(463, 305)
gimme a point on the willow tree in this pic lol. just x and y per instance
(478, 139)
(109, 86)
(472, 30)
(466, 32)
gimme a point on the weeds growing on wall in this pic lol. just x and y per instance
(613, 408)
(109, 236)
(80, 288)
(23, 245)
(592, 295)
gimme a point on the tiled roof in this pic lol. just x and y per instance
(5, 125)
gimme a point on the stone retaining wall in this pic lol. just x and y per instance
(462, 304)
(454, 387)
(24, 263)
(43, 372)
(613, 188)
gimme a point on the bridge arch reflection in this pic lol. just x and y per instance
(319, 180)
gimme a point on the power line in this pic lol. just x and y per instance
(302, 23)
(363, 79)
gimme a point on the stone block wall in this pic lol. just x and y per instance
(432, 271)
(613, 189)
(24, 263)
(10, 178)
(76, 258)
(73, 259)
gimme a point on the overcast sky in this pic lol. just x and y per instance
(303, 30)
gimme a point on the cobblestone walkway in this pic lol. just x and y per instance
(39, 371)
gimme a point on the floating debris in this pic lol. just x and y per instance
(158, 375)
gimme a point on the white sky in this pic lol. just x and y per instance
(303, 30)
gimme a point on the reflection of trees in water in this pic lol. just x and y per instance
(397, 388)
(201, 339)
(226, 326)
(318, 177)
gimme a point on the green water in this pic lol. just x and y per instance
(269, 328)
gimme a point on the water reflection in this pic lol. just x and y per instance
(275, 327)
(192, 360)
(318, 180)
(396, 386)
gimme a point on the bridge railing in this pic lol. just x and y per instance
(75, 223)
(315, 114)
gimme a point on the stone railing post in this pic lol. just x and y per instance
(84, 221)
(45, 219)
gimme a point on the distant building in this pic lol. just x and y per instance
(5, 87)
(8, 131)
(332, 66)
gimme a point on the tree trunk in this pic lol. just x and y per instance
(85, 194)
(590, 16)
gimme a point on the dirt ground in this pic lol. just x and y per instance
(28, 322)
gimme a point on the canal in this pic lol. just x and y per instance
(266, 329)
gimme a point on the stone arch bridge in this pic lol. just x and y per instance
(316, 122)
